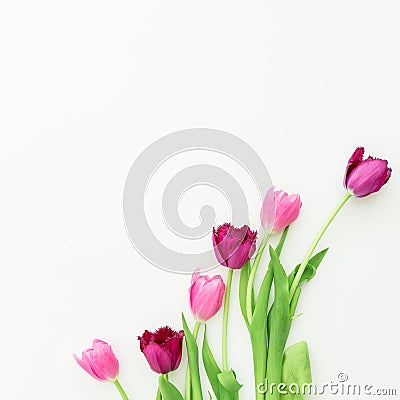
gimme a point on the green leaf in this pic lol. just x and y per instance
(212, 371)
(193, 358)
(211, 367)
(228, 381)
(279, 324)
(258, 328)
(296, 370)
(311, 268)
(244, 279)
(168, 390)
(261, 308)
(258, 331)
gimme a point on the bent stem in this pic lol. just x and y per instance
(314, 244)
(120, 390)
(225, 321)
(159, 394)
(250, 283)
(188, 385)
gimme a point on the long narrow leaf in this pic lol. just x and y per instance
(279, 321)
(213, 371)
(193, 357)
(211, 367)
(258, 329)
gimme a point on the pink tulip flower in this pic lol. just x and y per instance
(99, 362)
(162, 349)
(233, 247)
(206, 295)
(364, 177)
(279, 210)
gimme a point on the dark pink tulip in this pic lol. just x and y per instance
(162, 349)
(99, 362)
(364, 177)
(233, 247)
(206, 295)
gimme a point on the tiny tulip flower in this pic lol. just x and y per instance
(279, 210)
(162, 349)
(99, 362)
(233, 247)
(206, 295)
(365, 176)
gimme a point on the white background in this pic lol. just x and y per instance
(86, 85)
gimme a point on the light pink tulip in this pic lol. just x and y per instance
(206, 295)
(99, 362)
(279, 210)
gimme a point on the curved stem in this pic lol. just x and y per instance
(314, 244)
(188, 386)
(196, 329)
(250, 283)
(225, 321)
(120, 390)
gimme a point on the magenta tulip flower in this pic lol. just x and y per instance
(364, 177)
(206, 295)
(279, 210)
(233, 247)
(162, 349)
(99, 362)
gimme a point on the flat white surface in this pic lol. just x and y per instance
(86, 85)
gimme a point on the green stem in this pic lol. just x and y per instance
(225, 321)
(250, 283)
(314, 244)
(196, 329)
(188, 386)
(121, 390)
(159, 394)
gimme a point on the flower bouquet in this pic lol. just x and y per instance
(279, 372)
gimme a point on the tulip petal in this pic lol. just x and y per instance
(158, 358)
(368, 177)
(162, 349)
(99, 362)
(285, 207)
(86, 366)
(355, 159)
(287, 211)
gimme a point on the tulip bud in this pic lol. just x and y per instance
(206, 295)
(162, 349)
(364, 177)
(99, 362)
(279, 210)
(233, 247)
